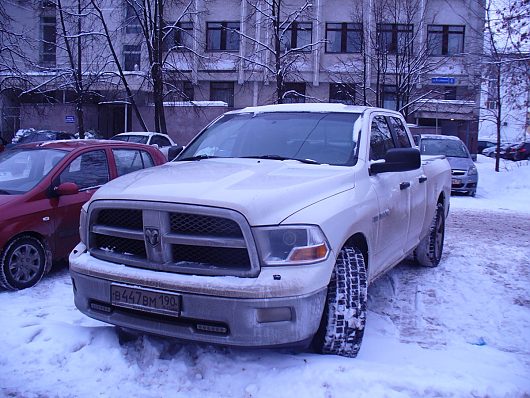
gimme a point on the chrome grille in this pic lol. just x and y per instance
(458, 172)
(121, 245)
(195, 224)
(172, 237)
(218, 256)
(124, 218)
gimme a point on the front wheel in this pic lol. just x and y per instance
(342, 326)
(429, 251)
(22, 264)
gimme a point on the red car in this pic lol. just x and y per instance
(42, 188)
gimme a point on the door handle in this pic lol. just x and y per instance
(404, 185)
(422, 179)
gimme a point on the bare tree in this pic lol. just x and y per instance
(505, 77)
(284, 43)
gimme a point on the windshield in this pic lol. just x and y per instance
(140, 139)
(452, 148)
(23, 169)
(318, 137)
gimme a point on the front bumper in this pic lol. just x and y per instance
(464, 184)
(225, 318)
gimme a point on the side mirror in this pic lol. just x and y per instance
(174, 151)
(398, 159)
(66, 188)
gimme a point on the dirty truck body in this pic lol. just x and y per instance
(266, 231)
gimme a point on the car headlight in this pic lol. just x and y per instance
(291, 244)
(82, 225)
(472, 171)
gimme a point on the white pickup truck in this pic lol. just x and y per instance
(265, 231)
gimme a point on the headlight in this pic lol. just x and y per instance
(472, 171)
(82, 225)
(291, 244)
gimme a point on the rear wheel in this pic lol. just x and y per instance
(23, 263)
(342, 325)
(429, 251)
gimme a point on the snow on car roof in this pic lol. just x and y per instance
(440, 137)
(144, 133)
(311, 107)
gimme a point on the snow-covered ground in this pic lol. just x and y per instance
(462, 329)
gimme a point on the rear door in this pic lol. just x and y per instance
(416, 192)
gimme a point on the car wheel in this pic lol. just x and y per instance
(429, 252)
(342, 326)
(22, 263)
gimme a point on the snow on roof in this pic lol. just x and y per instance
(311, 107)
(142, 133)
(195, 103)
(440, 137)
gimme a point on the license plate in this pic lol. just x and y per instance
(147, 300)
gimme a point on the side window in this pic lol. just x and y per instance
(160, 141)
(88, 170)
(401, 132)
(380, 138)
(129, 160)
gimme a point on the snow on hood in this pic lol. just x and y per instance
(459, 163)
(264, 191)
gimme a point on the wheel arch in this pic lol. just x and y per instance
(359, 241)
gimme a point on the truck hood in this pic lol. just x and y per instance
(264, 191)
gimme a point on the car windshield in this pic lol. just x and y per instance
(452, 148)
(23, 169)
(306, 136)
(140, 139)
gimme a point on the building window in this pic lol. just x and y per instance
(188, 92)
(293, 93)
(450, 93)
(395, 38)
(222, 91)
(342, 92)
(178, 36)
(389, 95)
(222, 36)
(48, 47)
(344, 37)
(297, 37)
(133, 12)
(445, 39)
(131, 55)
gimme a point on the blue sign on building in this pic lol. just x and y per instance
(69, 119)
(443, 80)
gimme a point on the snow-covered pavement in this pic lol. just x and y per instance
(457, 330)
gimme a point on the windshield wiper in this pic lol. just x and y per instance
(278, 157)
(4, 192)
(196, 157)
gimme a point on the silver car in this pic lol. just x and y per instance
(463, 170)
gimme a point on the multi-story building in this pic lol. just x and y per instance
(418, 56)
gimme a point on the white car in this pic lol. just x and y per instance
(161, 141)
(265, 231)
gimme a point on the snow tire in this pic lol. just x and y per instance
(344, 317)
(23, 263)
(429, 251)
